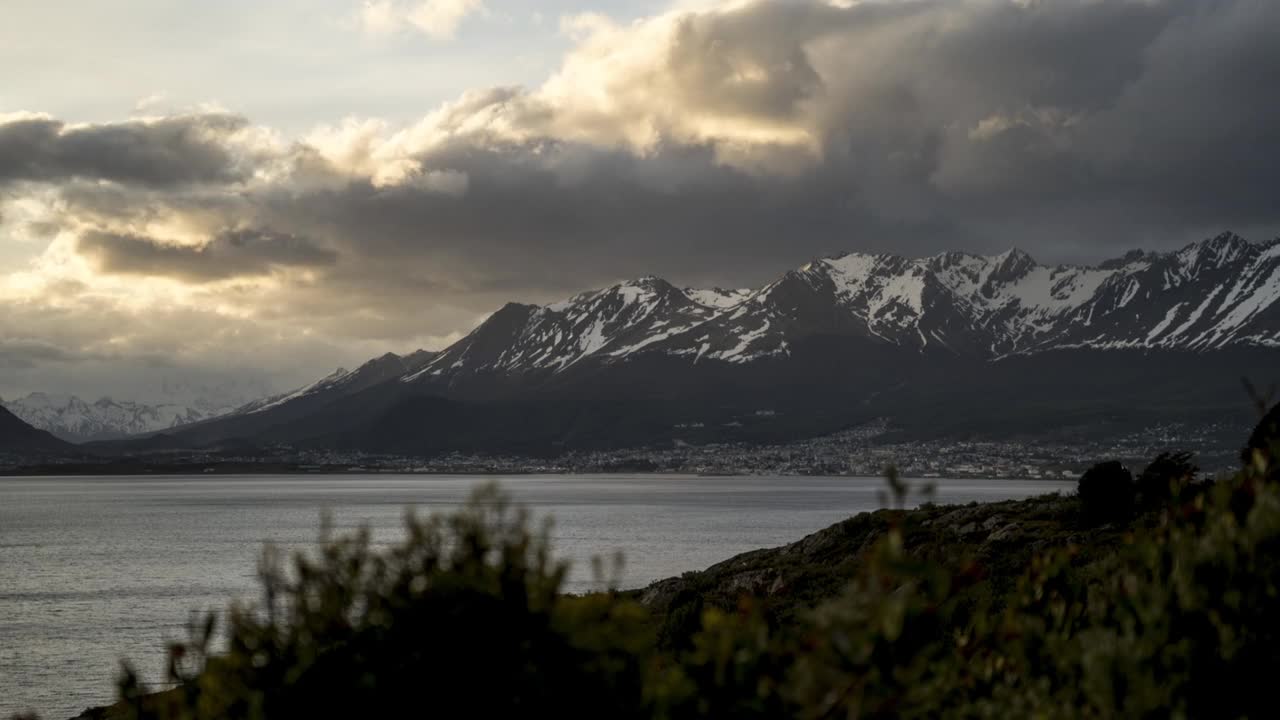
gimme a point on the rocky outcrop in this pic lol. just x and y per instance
(802, 573)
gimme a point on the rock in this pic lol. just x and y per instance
(661, 593)
(1005, 534)
(955, 517)
(752, 581)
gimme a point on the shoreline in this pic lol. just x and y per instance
(272, 470)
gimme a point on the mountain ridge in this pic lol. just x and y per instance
(990, 344)
(75, 420)
(983, 306)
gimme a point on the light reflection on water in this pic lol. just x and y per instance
(96, 569)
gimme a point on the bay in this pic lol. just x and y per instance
(97, 569)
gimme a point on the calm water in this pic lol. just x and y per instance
(93, 570)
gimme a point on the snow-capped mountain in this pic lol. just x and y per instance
(954, 343)
(71, 418)
(609, 323)
(1210, 295)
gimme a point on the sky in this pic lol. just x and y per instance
(258, 191)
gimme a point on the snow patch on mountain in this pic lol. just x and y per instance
(718, 298)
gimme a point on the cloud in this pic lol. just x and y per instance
(718, 143)
(438, 19)
(23, 353)
(159, 152)
(234, 253)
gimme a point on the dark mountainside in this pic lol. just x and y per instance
(1137, 597)
(18, 437)
(954, 346)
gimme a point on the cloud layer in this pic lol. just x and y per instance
(716, 145)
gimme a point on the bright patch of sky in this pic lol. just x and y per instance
(287, 64)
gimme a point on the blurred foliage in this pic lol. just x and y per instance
(466, 618)
(1166, 478)
(1107, 493)
(1262, 452)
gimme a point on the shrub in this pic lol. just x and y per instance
(1183, 622)
(465, 618)
(1164, 478)
(1106, 493)
(1262, 452)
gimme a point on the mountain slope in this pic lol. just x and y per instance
(342, 382)
(256, 420)
(19, 438)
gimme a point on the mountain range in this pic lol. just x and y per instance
(1212, 295)
(954, 345)
(73, 419)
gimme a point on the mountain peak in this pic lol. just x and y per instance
(1226, 241)
(382, 360)
(647, 283)
(1014, 256)
(1224, 238)
(1007, 267)
(1216, 251)
(420, 355)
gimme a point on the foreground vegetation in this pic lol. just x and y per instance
(1139, 597)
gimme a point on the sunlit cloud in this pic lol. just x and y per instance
(437, 19)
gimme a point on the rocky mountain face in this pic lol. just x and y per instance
(953, 344)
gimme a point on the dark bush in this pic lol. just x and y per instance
(466, 618)
(1164, 478)
(1106, 493)
(1262, 453)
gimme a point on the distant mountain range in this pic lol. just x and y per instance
(954, 345)
(70, 418)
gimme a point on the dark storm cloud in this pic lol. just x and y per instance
(165, 152)
(552, 219)
(230, 254)
(768, 134)
(1072, 129)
